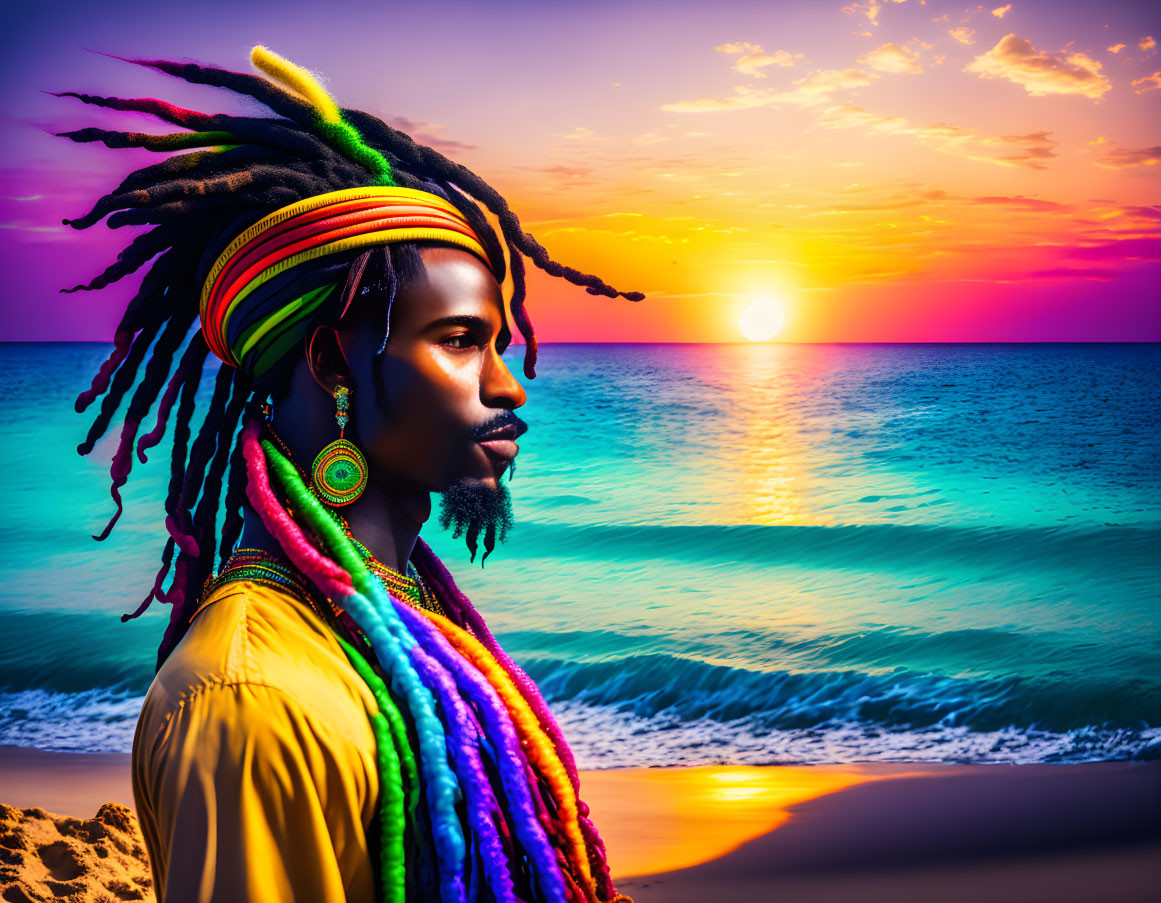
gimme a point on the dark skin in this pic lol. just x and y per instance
(443, 383)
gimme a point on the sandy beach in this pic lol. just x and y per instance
(806, 834)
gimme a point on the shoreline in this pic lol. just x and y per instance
(872, 832)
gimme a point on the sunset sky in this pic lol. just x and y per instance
(890, 171)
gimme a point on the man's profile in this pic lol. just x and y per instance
(331, 718)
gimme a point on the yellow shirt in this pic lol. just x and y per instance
(254, 769)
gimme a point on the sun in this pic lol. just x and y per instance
(762, 320)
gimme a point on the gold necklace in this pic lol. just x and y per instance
(409, 587)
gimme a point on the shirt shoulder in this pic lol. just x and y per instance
(249, 634)
(256, 719)
(246, 795)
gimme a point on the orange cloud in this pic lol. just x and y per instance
(1041, 73)
(1116, 48)
(1000, 11)
(810, 91)
(429, 133)
(870, 9)
(1031, 150)
(1021, 203)
(1125, 157)
(1147, 43)
(1148, 83)
(563, 175)
(963, 34)
(894, 58)
(581, 133)
(752, 58)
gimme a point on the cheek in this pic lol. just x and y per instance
(425, 413)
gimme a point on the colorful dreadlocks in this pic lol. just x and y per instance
(263, 231)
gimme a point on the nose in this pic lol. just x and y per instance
(498, 387)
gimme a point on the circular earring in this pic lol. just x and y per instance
(339, 473)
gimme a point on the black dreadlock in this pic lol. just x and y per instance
(231, 172)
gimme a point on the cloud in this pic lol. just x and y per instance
(1124, 157)
(1040, 73)
(1031, 150)
(848, 116)
(581, 133)
(744, 98)
(1021, 203)
(1147, 43)
(871, 9)
(894, 58)
(653, 136)
(1126, 249)
(428, 133)
(1148, 213)
(1100, 274)
(1116, 48)
(563, 175)
(963, 34)
(1000, 11)
(813, 90)
(20, 227)
(816, 88)
(752, 58)
(1148, 83)
(1023, 150)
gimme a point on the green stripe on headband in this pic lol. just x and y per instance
(264, 338)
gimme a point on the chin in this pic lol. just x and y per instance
(490, 481)
(491, 471)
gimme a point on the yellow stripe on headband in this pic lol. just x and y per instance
(351, 243)
(323, 200)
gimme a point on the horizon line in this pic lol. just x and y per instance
(743, 342)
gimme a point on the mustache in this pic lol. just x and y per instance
(503, 420)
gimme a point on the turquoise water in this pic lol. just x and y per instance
(723, 553)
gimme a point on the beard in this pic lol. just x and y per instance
(471, 507)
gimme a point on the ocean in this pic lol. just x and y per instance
(723, 554)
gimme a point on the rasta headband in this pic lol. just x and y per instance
(251, 329)
(251, 332)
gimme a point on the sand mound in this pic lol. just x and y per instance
(46, 857)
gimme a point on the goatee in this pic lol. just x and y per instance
(471, 507)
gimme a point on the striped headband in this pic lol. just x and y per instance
(250, 328)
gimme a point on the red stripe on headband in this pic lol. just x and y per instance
(292, 244)
(291, 237)
(315, 227)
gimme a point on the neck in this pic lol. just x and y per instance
(386, 518)
(387, 525)
(387, 521)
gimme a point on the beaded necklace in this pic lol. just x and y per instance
(258, 566)
(261, 566)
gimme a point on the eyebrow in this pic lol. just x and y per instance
(461, 320)
(469, 320)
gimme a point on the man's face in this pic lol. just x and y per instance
(443, 383)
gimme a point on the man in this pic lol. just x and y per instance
(331, 718)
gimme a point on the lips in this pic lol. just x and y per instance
(501, 448)
(501, 442)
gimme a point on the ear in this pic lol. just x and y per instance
(325, 357)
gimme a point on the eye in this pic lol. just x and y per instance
(460, 340)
